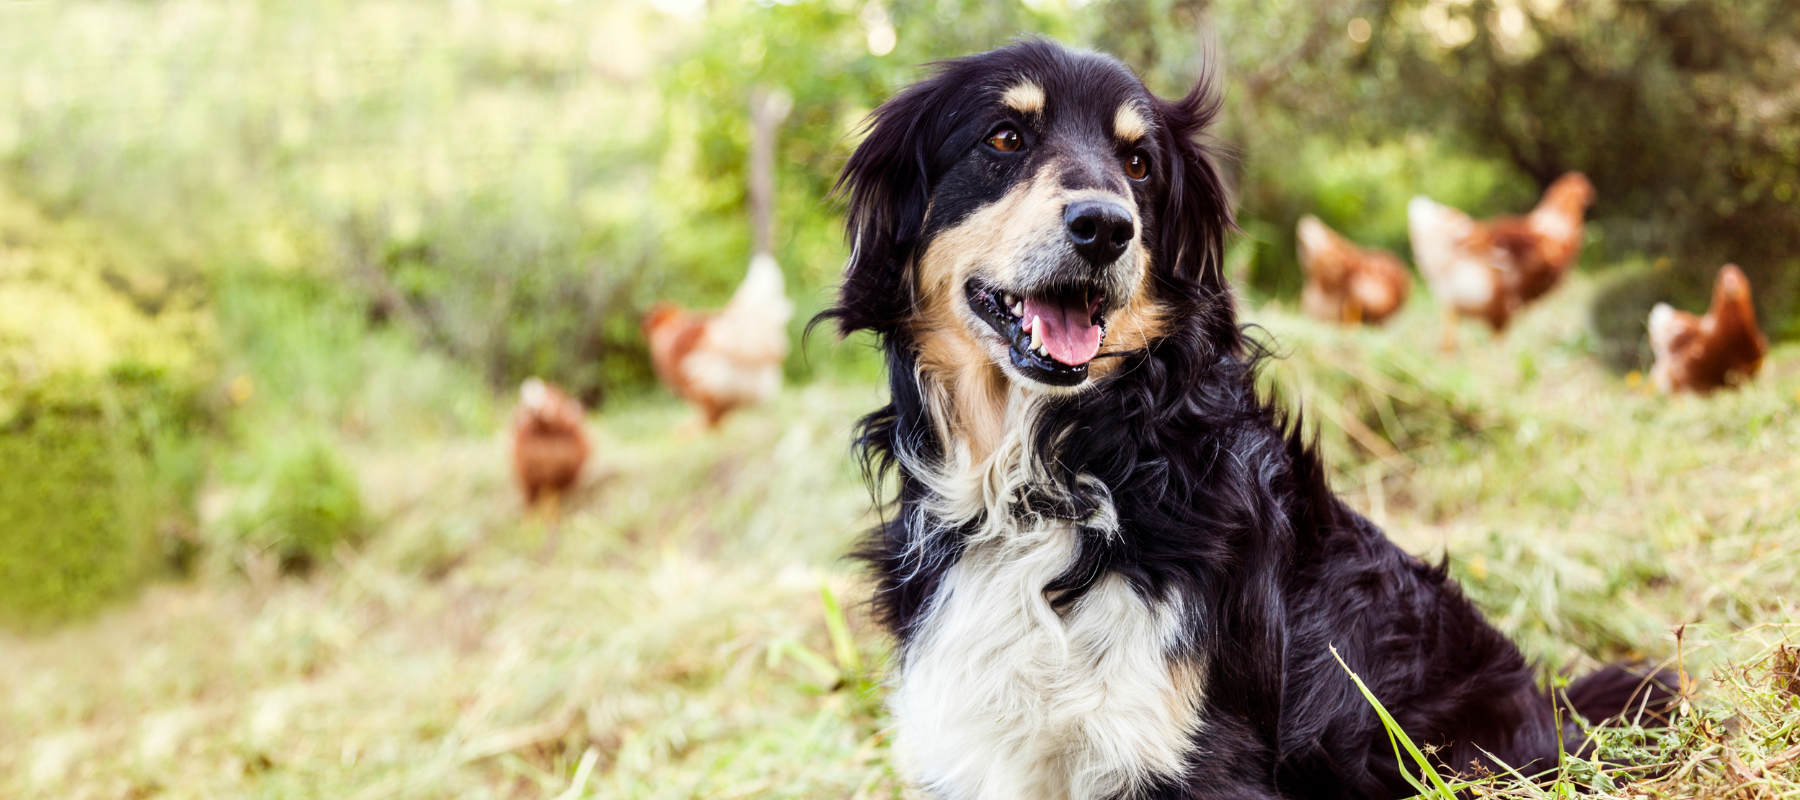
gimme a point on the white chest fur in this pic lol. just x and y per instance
(1001, 697)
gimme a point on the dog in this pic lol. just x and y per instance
(1112, 568)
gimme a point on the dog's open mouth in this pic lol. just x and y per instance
(1052, 335)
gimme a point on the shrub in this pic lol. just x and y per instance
(103, 351)
(1620, 314)
(301, 502)
(97, 477)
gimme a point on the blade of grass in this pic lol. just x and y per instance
(1438, 788)
(578, 785)
(841, 642)
(828, 675)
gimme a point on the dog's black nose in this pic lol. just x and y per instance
(1099, 229)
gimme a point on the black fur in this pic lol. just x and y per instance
(1221, 500)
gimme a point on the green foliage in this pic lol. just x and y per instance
(473, 175)
(307, 354)
(1621, 312)
(1682, 114)
(67, 539)
(301, 501)
(104, 351)
(97, 478)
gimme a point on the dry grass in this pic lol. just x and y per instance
(676, 642)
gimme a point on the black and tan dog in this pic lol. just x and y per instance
(1113, 569)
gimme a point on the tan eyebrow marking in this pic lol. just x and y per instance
(1129, 123)
(1024, 97)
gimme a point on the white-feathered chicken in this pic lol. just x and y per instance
(1492, 268)
(731, 358)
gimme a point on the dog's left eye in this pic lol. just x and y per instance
(1137, 166)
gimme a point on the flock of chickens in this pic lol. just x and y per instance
(717, 361)
(1488, 269)
(1491, 269)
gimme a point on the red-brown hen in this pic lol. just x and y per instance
(1347, 283)
(1700, 354)
(549, 443)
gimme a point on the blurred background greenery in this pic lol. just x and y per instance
(373, 218)
(264, 261)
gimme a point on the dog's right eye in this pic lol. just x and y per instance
(1006, 140)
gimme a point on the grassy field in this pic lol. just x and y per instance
(675, 637)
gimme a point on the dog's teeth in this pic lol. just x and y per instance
(1018, 308)
(1037, 337)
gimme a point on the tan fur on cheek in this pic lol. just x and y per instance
(991, 240)
(955, 355)
(966, 390)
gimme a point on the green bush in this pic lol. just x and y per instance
(97, 477)
(301, 502)
(1620, 314)
(104, 349)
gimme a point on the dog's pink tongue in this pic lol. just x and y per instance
(1067, 328)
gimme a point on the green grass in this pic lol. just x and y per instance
(680, 642)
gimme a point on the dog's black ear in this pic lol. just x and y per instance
(1197, 212)
(888, 182)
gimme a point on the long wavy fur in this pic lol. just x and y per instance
(1221, 498)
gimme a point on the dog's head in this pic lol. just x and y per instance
(1034, 209)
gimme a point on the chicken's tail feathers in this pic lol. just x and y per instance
(1437, 232)
(533, 393)
(1421, 207)
(764, 289)
(1425, 213)
(1313, 234)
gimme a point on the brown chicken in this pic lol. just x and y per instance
(549, 443)
(1492, 268)
(1700, 354)
(725, 360)
(1346, 283)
